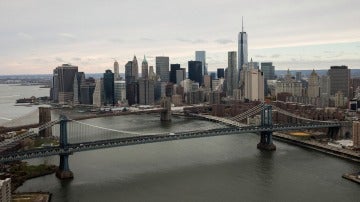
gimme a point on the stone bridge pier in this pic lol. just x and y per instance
(266, 142)
(166, 113)
(63, 172)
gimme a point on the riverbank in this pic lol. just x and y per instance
(315, 145)
(20, 172)
(31, 197)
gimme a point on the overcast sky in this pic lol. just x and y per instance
(38, 35)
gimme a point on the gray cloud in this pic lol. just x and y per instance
(196, 41)
(260, 56)
(58, 59)
(25, 36)
(224, 41)
(275, 56)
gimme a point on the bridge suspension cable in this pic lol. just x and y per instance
(248, 113)
(32, 132)
(27, 119)
(297, 116)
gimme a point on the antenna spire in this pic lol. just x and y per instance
(242, 23)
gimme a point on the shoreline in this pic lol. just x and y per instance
(337, 152)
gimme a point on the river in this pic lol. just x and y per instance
(226, 168)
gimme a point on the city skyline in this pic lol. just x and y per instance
(315, 35)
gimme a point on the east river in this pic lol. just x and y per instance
(226, 168)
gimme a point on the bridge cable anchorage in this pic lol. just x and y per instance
(26, 119)
(297, 116)
(32, 132)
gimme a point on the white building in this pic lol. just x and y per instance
(5, 187)
(289, 85)
(253, 82)
(120, 91)
(98, 96)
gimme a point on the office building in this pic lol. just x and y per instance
(268, 70)
(116, 71)
(78, 79)
(232, 74)
(253, 82)
(63, 83)
(173, 69)
(5, 190)
(146, 92)
(109, 88)
(242, 50)
(87, 89)
(162, 68)
(144, 69)
(180, 75)
(207, 82)
(131, 84)
(220, 73)
(289, 85)
(135, 68)
(313, 85)
(98, 96)
(339, 80)
(120, 91)
(201, 57)
(213, 75)
(195, 71)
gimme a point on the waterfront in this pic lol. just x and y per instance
(227, 168)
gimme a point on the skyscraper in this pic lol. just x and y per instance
(63, 83)
(109, 88)
(232, 74)
(201, 56)
(339, 80)
(220, 73)
(162, 68)
(242, 49)
(144, 69)
(146, 91)
(135, 68)
(314, 85)
(116, 71)
(87, 91)
(268, 70)
(180, 75)
(131, 85)
(195, 71)
(253, 82)
(78, 79)
(173, 69)
(98, 96)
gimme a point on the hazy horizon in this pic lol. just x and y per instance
(45, 34)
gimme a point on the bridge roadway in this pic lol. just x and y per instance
(101, 144)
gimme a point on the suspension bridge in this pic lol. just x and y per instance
(78, 136)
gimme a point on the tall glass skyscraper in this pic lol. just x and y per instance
(242, 50)
(201, 56)
(162, 68)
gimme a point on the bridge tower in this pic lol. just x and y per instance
(266, 142)
(44, 117)
(166, 113)
(64, 172)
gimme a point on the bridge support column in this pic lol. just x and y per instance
(333, 133)
(266, 142)
(44, 117)
(63, 171)
(166, 113)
